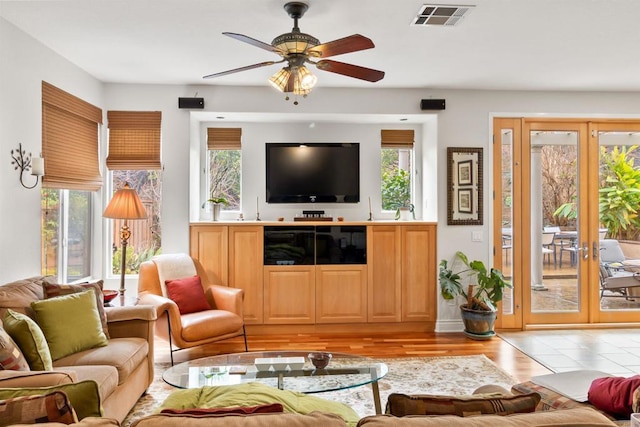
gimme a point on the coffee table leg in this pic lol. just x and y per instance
(280, 381)
(376, 391)
(376, 397)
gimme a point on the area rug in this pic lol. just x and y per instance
(452, 375)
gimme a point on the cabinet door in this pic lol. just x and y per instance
(384, 284)
(208, 244)
(418, 273)
(289, 294)
(341, 293)
(245, 268)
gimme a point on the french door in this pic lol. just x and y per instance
(548, 227)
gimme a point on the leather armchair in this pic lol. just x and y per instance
(224, 320)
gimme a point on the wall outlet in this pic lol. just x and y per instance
(476, 236)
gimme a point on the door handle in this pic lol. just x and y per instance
(595, 250)
(585, 250)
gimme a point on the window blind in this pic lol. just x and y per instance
(397, 138)
(69, 141)
(134, 140)
(224, 138)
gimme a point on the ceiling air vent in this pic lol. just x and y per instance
(440, 14)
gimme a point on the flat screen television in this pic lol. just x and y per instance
(313, 173)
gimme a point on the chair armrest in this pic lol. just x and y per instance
(136, 312)
(226, 298)
(161, 306)
(135, 321)
(31, 379)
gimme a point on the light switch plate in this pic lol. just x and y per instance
(476, 236)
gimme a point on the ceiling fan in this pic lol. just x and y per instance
(298, 49)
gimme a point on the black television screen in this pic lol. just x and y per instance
(308, 173)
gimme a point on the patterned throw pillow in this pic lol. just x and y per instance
(52, 290)
(53, 407)
(401, 405)
(29, 337)
(11, 357)
(188, 294)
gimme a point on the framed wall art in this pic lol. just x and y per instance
(464, 186)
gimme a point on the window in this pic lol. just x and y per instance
(134, 158)
(396, 167)
(66, 234)
(70, 134)
(224, 159)
(146, 234)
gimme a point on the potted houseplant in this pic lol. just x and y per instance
(479, 312)
(215, 203)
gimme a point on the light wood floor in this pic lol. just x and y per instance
(381, 346)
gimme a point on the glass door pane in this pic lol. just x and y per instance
(554, 220)
(619, 237)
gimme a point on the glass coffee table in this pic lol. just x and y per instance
(343, 372)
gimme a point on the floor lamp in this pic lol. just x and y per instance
(125, 205)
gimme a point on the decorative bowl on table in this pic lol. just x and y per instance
(320, 359)
(109, 295)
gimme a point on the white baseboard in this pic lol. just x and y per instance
(449, 326)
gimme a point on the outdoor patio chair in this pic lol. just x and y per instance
(548, 247)
(616, 273)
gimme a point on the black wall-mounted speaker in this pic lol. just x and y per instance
(432, 104)
(197, 103)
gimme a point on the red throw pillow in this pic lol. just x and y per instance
(614, 395)
(187, 294)
(267, 408)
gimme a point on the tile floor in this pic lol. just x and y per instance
(614, 351)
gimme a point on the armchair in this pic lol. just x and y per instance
(223, 319)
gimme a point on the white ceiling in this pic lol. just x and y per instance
(500, 44)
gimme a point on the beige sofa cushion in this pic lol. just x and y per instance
(106, 377)
(236, 420)
(565, 417)
(19, 295)
(125, 354)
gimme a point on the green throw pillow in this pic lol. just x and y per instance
(29, 337)
(71, 323)
(253, 394)
(83, 395)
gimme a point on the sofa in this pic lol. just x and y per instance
(564, 417)
(117, 373)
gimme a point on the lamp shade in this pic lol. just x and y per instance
(280, 80)
(125, 204)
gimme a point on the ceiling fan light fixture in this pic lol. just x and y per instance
(280, 79)
(306, 78)
(295, 42)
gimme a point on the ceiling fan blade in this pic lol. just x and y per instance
(237, 70)
(253, 42)
(352, 43)
(350, 70)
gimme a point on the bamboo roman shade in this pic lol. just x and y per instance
(69, 141)
(224, 138)
(397, 138)
(134, 140)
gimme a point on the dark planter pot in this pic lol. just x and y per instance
(478, 324)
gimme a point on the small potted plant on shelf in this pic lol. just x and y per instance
(480, 310)
(215, 203)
